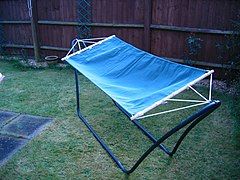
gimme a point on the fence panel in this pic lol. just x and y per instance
(160, 26)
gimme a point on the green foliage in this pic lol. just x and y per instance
(2, 40)
(194, 45)
(230, 49)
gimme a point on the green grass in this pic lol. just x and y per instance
(66, 149)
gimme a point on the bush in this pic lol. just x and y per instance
(194, 44)
(230, 49)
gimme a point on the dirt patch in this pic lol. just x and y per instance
(219, 86)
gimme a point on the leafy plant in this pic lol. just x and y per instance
(2, 41)
(229, 50)
(194, 45)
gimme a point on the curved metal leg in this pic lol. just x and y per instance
(185, 133)
(197, 117)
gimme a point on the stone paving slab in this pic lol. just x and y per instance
(6, 116)
(16, 130)
(9, 146)
(25, 125)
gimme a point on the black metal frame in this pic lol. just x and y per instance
(193, 120)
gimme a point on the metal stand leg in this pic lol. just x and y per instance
(151, 137)
(192, 120)
(144, 131)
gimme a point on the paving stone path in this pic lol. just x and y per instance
(16, 130)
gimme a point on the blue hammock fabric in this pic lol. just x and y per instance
(133, 78)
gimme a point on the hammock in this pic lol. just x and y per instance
(136, 81)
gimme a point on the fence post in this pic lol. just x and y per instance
(147, 24)
(34, 23)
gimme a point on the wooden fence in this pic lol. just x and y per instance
(158, 26)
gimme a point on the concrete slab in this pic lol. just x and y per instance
(16, 130)
(8, 146)
(25, 125)
(6, 116)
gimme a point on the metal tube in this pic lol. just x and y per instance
(84, 120)
(102, 143)
(150, 136)
(77, 89)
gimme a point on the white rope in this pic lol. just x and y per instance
(86, 41)
(72, 48)
(84, 44)
(186, 100)
(198, 93)
(79, 46)
(173, 110)
(100, 38)
(89, 47)
(210, 89)
(141, 113)
(78, 41)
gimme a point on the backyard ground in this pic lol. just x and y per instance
(67, 149)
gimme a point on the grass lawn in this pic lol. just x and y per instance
(68, 149)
